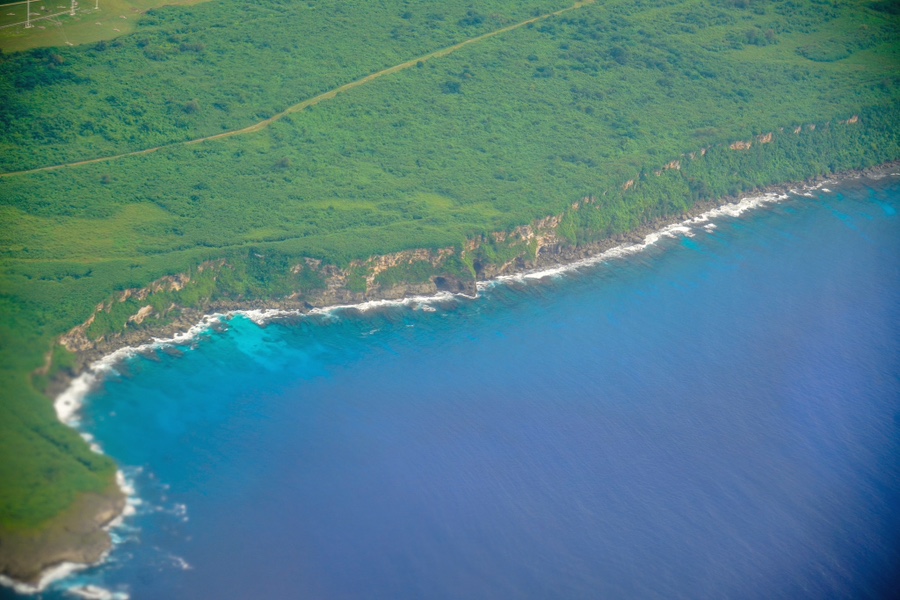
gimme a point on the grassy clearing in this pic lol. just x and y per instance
(193, 106)
(54, 25)
(515, 127)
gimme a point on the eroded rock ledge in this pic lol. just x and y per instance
(529, 247)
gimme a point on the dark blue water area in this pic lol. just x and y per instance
(715, 417)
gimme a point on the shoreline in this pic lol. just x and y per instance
(702, 212)
(97, 362)
(552, 259)
(68, 401)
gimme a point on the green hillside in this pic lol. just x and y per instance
(491, 135)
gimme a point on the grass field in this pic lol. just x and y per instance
(506, 129)
(54, 25)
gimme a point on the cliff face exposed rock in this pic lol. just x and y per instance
(389, 276)
(77, 339)
(337, 289)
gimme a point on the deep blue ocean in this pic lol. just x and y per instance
(717, 416)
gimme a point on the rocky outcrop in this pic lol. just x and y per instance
(77, 536)
(77, 339)
(140, 315)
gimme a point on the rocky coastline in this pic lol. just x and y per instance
(80, 535)
(554, 252)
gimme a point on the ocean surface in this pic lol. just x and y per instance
(717, 416)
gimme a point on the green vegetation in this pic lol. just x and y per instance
(53, 25)
(415, 272)
(510, 129)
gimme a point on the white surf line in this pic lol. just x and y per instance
(685, 228)
(95, 592)
(48, 576)
(416, 302)
(67, 405)
(66, 569)
(69, 402)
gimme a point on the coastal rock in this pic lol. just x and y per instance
(142, 314)
(77, 536)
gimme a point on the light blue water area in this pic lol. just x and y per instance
(718, 416)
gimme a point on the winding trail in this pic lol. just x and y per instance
(312, 101)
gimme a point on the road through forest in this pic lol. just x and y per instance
(311, 101)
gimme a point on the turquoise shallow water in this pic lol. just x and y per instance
(717, 416)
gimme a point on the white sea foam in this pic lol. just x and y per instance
(54, 573)
(264, 315)
(685, 228)
(132, 501)
(66, 569)
(69, 402)
(675, 230)
(125, 485)
(94, 592)
(61, 571)
(180, 563)
(416, 302)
